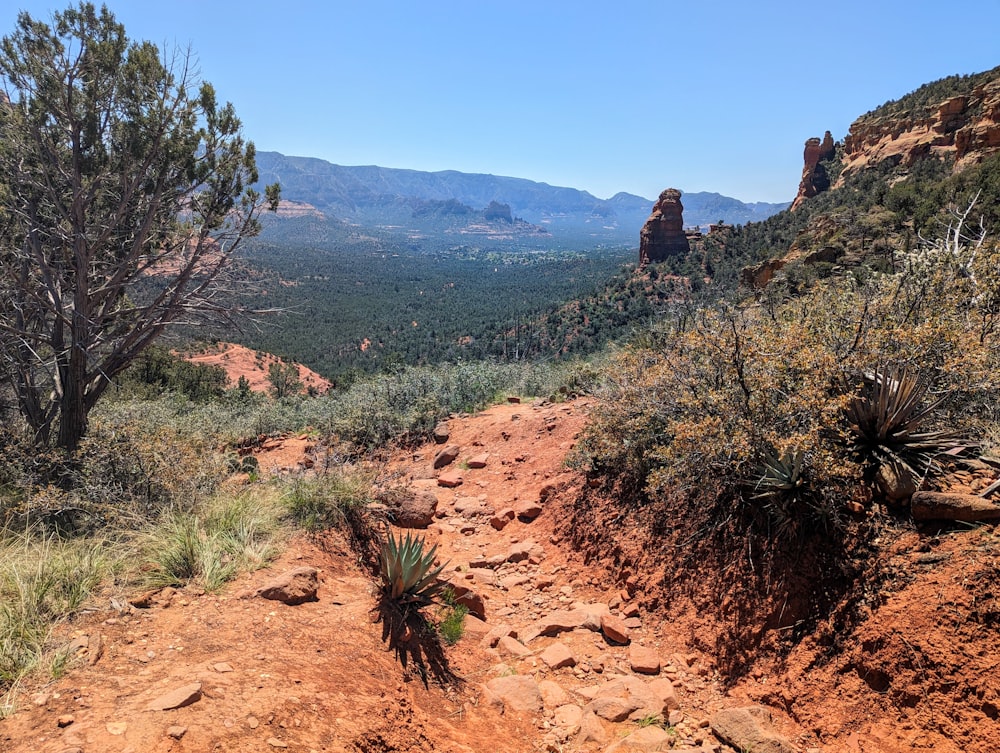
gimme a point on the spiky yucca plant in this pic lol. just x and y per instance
(888, 420)
(779, 477)
(408, 572)
(779, 485)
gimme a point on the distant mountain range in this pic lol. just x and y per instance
(393, 197)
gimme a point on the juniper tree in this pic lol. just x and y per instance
(125, 190)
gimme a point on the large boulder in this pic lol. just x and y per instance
(411, 508)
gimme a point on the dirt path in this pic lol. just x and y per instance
(319, 676)
(563, 656)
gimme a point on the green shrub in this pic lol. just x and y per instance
(328, 500)
(211, 545)
(451, 624)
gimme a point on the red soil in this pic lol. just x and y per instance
(917, 672)
(239, 361)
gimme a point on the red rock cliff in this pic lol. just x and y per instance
(965, 126)
(663, 234)
(814, 177)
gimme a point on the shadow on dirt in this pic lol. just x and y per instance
(415, 641)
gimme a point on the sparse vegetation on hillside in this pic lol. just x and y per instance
(924, 101)
(748, 429)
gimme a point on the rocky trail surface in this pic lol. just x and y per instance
(558, 653)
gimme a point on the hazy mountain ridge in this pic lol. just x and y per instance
(362, 194)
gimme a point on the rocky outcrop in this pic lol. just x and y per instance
(814, 177)
(663, 236)
(965, 126)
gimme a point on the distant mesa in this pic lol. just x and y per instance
(288, 209)
(663, 236)
(814, 177)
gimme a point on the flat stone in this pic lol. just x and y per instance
(643, 660)
(450, 479)
(664, 690)
(517, 692)
(475, 626)
(176, 731)
(492, 638)
(472, 507)
(553, 694)
(625, 697)
(966, 508)
(527, 511)
(568, 716)
(651, 738)
(274, 742)
(614, 708)
(525, 550)
(512, 646)
(749, 728)
(478, 461)
(116, 728)
(557, 656)
(591, 730)
(177, 698)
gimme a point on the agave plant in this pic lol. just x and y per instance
(778, 484)
(779, 477)
(888, 421)
(408, 572)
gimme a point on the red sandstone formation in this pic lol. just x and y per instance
(663, 234)
(965, 126)
(814, 177)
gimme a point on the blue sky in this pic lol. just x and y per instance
(621, 95)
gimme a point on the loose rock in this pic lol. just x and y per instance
(643, 660)
(748, 728)
(411, 508)
(516, 692)
(293, 587)
(177, 698)
(450, 479)
(966, 508)
(446, 456)
(557, 656)
(649, 738)
(614, 629)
